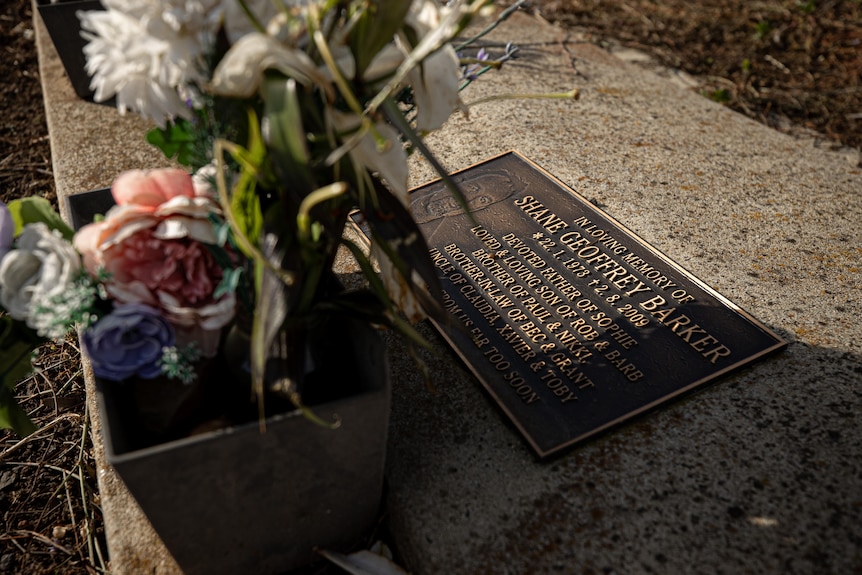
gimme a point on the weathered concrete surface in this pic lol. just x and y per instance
(759, 473)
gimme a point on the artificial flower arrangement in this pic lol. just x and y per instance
(289, 116)
(146, 284)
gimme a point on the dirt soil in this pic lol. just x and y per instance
(788, 63)
(50, 520)
(795, 65)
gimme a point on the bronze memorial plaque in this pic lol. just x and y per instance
(574, 324)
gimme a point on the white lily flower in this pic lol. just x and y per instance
(435, 81)
(430, 67)
(435, 88)
(384, 64)
(240, 72)
(390, 163)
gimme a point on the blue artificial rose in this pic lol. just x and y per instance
(128, 341)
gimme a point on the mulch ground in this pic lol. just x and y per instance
(50, 522)
(787, 63)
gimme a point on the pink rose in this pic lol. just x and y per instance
(179, 276)
(152, 246)
(151, 188)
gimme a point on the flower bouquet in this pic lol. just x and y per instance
(289, 117)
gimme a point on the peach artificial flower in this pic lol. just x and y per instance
(152, 249)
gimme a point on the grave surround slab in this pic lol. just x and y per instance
(761, 472)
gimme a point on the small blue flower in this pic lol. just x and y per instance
(127, 342)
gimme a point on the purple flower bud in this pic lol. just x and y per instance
(128, 341)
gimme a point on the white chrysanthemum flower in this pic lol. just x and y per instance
(146, 52)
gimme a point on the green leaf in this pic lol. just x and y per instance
(269, 315)
(357, 304)
(245, 211)
(249, 246)
(380, 21)
(228, 282)
(33, 209)
(17, 343)
(242, 203)
(287, 138)
(245, 208)
(394, 115)
(395, 232)
(177, 140)
(12, 416)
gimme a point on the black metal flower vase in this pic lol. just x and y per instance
(64, 28)
(163, 408)
(245, 500)
(163, 404)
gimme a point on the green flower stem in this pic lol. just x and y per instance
(504, 15)
(572, 94)
(338, 77)
(296, 400)
(488, 64)
(379, 289)
(303, 217)
(451, 25)
(242, 240)
(251, 17)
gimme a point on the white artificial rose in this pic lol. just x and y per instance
(43, 266)
(204, 180)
